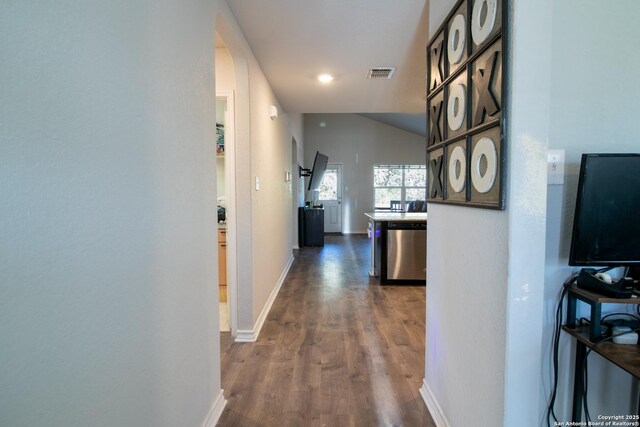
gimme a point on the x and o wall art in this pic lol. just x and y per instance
(466, 106)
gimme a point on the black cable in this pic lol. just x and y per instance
(585, 377)
(552, 400)
(555, 349)
(621, 314)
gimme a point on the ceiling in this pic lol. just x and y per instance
(295, 41)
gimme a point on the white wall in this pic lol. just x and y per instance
(484, 293)
(107, 214)
(467, 258)
(593, 109)
(108, 267)
(263, 150)
(271, 204)
(225, 74)
(358, 143)
(571, 88)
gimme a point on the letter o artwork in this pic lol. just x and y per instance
(484, 149)
(457, 169)
(457, 106)
(483, 19)
(457, 40)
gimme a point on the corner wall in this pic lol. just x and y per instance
(358, 143)
(570, 88)
(594, 94)
(467, 273)
(484, 299)
(263, 151)
(107, 214)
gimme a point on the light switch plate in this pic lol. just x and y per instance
(555, 167)
(257, 183)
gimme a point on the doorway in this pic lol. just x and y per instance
(226, 196)
(222, 138)
(330, 195)
(227, 223)
(297, 200)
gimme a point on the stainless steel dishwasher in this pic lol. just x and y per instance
(407, 251)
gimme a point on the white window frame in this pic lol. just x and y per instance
(403, 188)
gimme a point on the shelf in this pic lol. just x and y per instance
(625, 356)
(600, 299)
(595, 301)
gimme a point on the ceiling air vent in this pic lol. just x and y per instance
(381, 73)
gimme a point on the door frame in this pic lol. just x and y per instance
(231, 216)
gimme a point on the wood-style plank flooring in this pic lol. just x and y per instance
(336, 349)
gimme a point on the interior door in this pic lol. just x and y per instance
(330, 195)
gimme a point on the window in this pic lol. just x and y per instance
(329, 185)
(400, 184)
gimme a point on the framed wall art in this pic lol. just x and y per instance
(466, 82)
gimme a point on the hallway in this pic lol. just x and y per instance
(336, 349)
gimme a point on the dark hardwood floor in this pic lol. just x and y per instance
(336, 349)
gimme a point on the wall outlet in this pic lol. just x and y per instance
(555, 167)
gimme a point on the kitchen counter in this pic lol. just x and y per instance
(398, 247)
(398, 216)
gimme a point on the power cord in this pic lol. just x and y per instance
(622, 314)
(555, 350)
(585, 378)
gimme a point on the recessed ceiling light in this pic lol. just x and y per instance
(325, 78)
(323, 124)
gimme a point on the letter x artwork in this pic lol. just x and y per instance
(465, 106)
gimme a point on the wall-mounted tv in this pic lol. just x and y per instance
(606, 225)
(317, 172)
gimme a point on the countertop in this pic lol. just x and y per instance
(398, 216)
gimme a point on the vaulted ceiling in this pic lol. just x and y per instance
(296, 40)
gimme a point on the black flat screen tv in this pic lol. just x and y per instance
(606, 225)
(317, 172)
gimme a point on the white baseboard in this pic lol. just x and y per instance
(246, 335)
(216, 411)
(296, 247)
(432, 405)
